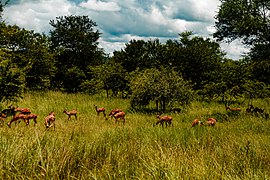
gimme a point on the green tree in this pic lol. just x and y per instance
(31, 52)
(75, 41)
(109, 77)
(196, 58)
(162, 86)
(249, 21)
(12, 78)
(244, 19)
(140, 54)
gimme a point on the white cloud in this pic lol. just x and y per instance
(123, 20)
(36, 15)
(100, 6)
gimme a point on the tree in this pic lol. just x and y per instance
(2, 5)
(12, 79)
(162, 86)
(75, 41)
(196, 58)
(139, 54)
(30, 51)
(109, 77)
(243, 19)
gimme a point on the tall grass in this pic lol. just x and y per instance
(94, 148)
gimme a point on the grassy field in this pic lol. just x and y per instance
(238, 147)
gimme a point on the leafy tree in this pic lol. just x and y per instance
(249, 21)
(140, 54)
(162, 86)
(244, 19)
(30, 51)
(196, 58)
(75, 41)
(12, 78)
(260, 62)
(109, 77)
(2, 5)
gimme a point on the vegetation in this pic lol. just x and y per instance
(94, 148)
(190, 74)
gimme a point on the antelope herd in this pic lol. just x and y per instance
(25, 114)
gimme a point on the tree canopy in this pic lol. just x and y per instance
(244, 19)
(162, 86)
(75, 41)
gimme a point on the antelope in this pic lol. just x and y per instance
(233, 109)
(162, 119)
(50, 120)
(196, 122)
(31, 116)
(71, 113)
(114, 111)
(23, 110)
(211, 121)
(18, 117)
(99, 110)
(120, 115)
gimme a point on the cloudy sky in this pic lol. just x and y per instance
(119, 21)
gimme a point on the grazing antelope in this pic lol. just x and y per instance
(120, 115)
(233, 109)
(31, 116)
(114, 111)
(25, 111)
(99, 110)
(211, 121)
(162, 119)
(71, 113)
(196, 122)
(17, 117)
(50, 120)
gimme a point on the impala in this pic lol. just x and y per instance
(121, 116)
(50, 120)
(71, 113)
(166, 119)
(100, 110)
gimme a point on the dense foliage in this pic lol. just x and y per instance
(75, 43)
(69, 59)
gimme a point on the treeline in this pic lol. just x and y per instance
(69, 59)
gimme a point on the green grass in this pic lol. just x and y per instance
(94, 148)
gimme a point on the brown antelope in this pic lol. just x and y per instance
(162, 119)
(71, 113)
(23, 110)
(211, 121)
(120, 115)
(31, 116)
(196, 122)
(233, 109)
(16, 118)
(99, 110)
(50, 120)
(114, 111)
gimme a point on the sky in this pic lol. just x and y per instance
(120, 21)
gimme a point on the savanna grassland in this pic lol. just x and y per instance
(238, 147)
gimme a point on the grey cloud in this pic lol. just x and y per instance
(121, 20)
